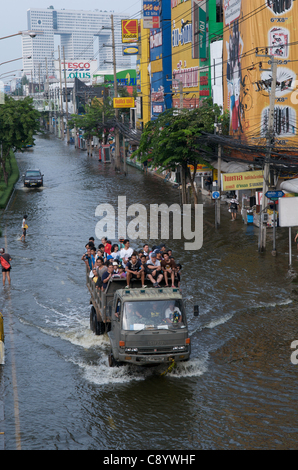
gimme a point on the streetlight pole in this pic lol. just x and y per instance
(270, 133)
(66, 98)
(61, 99)
(117, 140)
(13, 60)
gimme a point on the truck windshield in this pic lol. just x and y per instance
(162, 314)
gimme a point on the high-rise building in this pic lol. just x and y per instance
(79, 31)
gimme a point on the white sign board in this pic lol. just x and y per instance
(232, 10)
(82, 69)
(288, 211)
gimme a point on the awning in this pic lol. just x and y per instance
(232, 167)
(291, 185)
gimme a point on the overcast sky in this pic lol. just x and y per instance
(14, 19)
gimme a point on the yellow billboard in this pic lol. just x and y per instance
(185, 67)
(129, 31)
(240, 181)
(271, 30)
(124, 102)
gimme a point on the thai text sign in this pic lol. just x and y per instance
(129, 31)
(150, 8)
(126, 102)
(239, 181)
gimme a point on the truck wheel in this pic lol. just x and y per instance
(92, 319)
(97, 327)
(112, 362)
(100, 328)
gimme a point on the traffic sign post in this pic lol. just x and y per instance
(215, 195)
(274, 194)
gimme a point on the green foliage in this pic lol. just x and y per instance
(92, 122)
(6, 191)
(19, 122)
(171, 140)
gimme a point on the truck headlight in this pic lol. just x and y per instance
(131, 350)
(179, 348)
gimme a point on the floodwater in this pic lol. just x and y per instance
(238, 391)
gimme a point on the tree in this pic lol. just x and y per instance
(19, 122)
(172, 140)
(98, 119)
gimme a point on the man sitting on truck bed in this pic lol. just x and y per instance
(154, 266)
(107, 276)
(134, 270)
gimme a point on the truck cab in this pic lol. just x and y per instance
(148, 326)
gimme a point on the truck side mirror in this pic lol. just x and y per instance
(196, 310)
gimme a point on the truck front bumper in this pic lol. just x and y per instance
(146, 359)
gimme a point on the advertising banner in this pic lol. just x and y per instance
(240, 181)
(272, 29)
(82, 69)
(129, 31)
(185, 64)
(126, 102)
(150, 8)
(151, 22)
(130, 50)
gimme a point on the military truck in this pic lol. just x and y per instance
(145, 326)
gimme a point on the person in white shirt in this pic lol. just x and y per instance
(173, 314)
(154, 266)
(126, 252)
(24, 227)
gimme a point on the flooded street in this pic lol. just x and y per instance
(238, 391)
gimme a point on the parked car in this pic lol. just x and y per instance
(33, 178)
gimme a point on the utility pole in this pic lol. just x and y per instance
(270, 134)
(48, 92)
(183, 179)
(66, 98)
(217, 201)
(61, 98)
(117, 139)
(124, 156)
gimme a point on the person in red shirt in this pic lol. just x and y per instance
(5, 271)
(107, 244)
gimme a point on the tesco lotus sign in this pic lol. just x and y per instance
(77, 69)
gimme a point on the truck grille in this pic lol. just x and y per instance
(157, 350)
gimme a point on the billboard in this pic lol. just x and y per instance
(130, 50)
(150, 8)
(185, 64)
(125, 102)
(129, 31)
(271, 29)
(240, 181)
(82, 69)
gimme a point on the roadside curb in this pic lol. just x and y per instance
(12, 180)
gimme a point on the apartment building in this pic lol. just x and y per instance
(82, 36)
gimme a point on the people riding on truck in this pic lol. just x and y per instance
(156, 265)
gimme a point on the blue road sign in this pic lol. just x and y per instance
(215, 195)
(274, 194)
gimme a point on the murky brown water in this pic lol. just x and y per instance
(237, 391)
